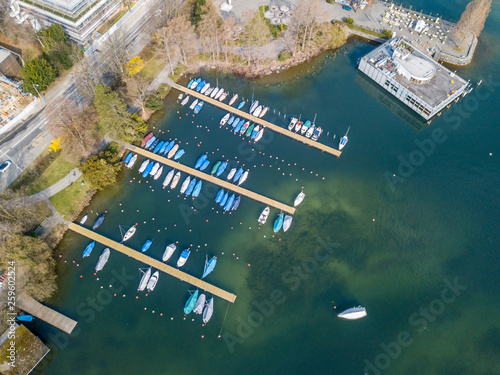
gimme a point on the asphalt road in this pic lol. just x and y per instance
(23, 145)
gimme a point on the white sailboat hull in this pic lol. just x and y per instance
(353, 313)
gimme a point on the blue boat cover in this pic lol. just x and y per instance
(278, 223)
(153, 145)
(197, 189)
(191, 302)
(150, 142)
(200, 161)
(146, 245)
(231, 119)
(200, 86)
(236, 203)
(88, 249)
(205, 164)
(221, 169)
(178, 154)
(128, 157)
(209, 266)
(190, 187)
(238, 174)
(241, 104)
(235, 122)
(98, 221)
(219, 196)
(224, 200)
(229, 203)
(148, 169)
(25, 318)
(169, 147)
(158, 147)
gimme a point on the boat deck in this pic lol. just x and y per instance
(141, 257)
(212, 179)
(35, 308)
(256, 120)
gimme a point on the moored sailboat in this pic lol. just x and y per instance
(264, 215)
(175, 180)
(191, 302)
(103, 259)
(353, 313)
(153, 280)
(278, 223)
(129, 233)
(287, 222)
(144, 279)
(344, 139)
(88, 249)
(298, 200)
(208, 311)
(200, 304)
(233, 99)
(168, 178)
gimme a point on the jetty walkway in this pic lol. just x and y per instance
(212, 179)
(35, 308)
(141, 257)
(256, 120)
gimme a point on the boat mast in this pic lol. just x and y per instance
(347, 131)
(314, 121)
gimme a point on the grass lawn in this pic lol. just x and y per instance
(54, 172)
(152, 68)
(366, 31)
(67, 202)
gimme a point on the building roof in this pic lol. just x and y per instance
(3, 54)
(416, 66)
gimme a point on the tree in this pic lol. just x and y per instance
(164, 45)
(471, 21)
(387, 33)
(154, 101)
(198, 11)
(138, 90)
(255, 34)
(210, 29)
(228, 34)
(37, 72)
(183, 35)
(166, 10)
(134, 66)
(349, 21)
(86, 79)
(102, 170)
(116, 55)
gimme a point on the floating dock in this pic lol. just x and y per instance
(256, 120)
(212, 179)
(152, 262)
(35, 308)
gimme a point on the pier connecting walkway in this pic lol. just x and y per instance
(256, 120)
(152, 262)
(212, 179)
(35, 308)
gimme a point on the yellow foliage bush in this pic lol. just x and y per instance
(134, 66)
(55, 145)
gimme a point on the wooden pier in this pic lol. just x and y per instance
(141, 257)
(35, 308)
(256, 120)
(212, 179)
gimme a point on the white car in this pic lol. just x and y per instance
(5, 166)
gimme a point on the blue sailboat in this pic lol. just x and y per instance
(163, 148)
(204, 166)
(278, 223)
(190, 83)
(229, 203)
(158, 147)
(128, 157)
(241, 104)
(190, 188)
(146, 245)
(150, 142)
(224, 199)
(209, 266)
(238, 174)
(178, 154)
(221, 169)
(197, 189)
(200, 86)
(236, 203)
(153, 145)
(239, 126)
(169, 147)
(191, 302)
(148, 169)
(25, 318)
(235, 122)
(231, 119)
(98, 221)
(219, 196)
(88, 249)
(200, 161)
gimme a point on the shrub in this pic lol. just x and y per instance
(284, 55)
(387, 33)
(349, 21)
(154, 101)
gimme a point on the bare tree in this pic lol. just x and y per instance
(138, 90)
(228, 34)
(86, 79)
(116, 55)
(166, 10)
(210, 29)
(256, 33)
(164, 45)
(304, 25)
(183, 35)
(472, 20)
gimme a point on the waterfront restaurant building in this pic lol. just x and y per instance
(415, 79)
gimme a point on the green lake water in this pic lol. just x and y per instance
(360, 237)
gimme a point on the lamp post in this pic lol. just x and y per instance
(41, 97)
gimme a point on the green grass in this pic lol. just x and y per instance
(152, 68)
(68, 201)
(54, 172)
(366, 31)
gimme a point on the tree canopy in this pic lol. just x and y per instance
(101, 171)
(37, 72)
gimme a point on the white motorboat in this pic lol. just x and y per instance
(243, 178)
(287, 222)
(254, 105)
(310, 131)
(155, 168)
(152, 281)
(193, 104)
(208, 311)
(221, 91)
(299, 199)
(103, 259)
(231, 174)
(344, 139)
(233, 99)
(173, 151)
(144, 279)
(143, 166)
(205, 88)
(257, 112)
(132, 161)
(353, 313)
(209, 91)
(259, 135)
(264, 215)
(183, 258)
(223, 96)
(129, 233)
(85, 217)
(215, 92)
(168, 178)
(264, 111)
(185, 184)
(169, 251)
(292, 123)
(224, 119)
(200, 304)
(175, 181)
(158, 173)
(185, 100)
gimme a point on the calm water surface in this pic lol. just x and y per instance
(359, 238)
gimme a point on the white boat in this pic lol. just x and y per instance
(287, 222)
(233, 99)
(155, 168)
(264, 111)
(185, 184)
(200, 304)
(231, 174)
(264, 215)
(299, 199)
(129, 233)
(209, 91)
(224, 119)
(152, 281)
(143, 166)
(205, 88)
(103, 259)
(298, 126)
(259, 136)
(215, 92)
(223, 96)
(208, 311)
(173, 151)
(183, 258)
(169, 251)
(343, 140)
(158, 173)
(85, 217)
(132, 161)
(257, 112)
(243, 178)
(353, 313)
(144, 280)
(254, 105)
(168, 178)
(310, 131)
(221, 90)
(292, 123)
(193, 104)
(185, 100)
(175, 181)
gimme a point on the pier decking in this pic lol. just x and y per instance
(35, 308)
(153, 262)
(212, 179)
(256, 120)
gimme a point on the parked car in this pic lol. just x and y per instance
(5, 166)
(346, 7)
